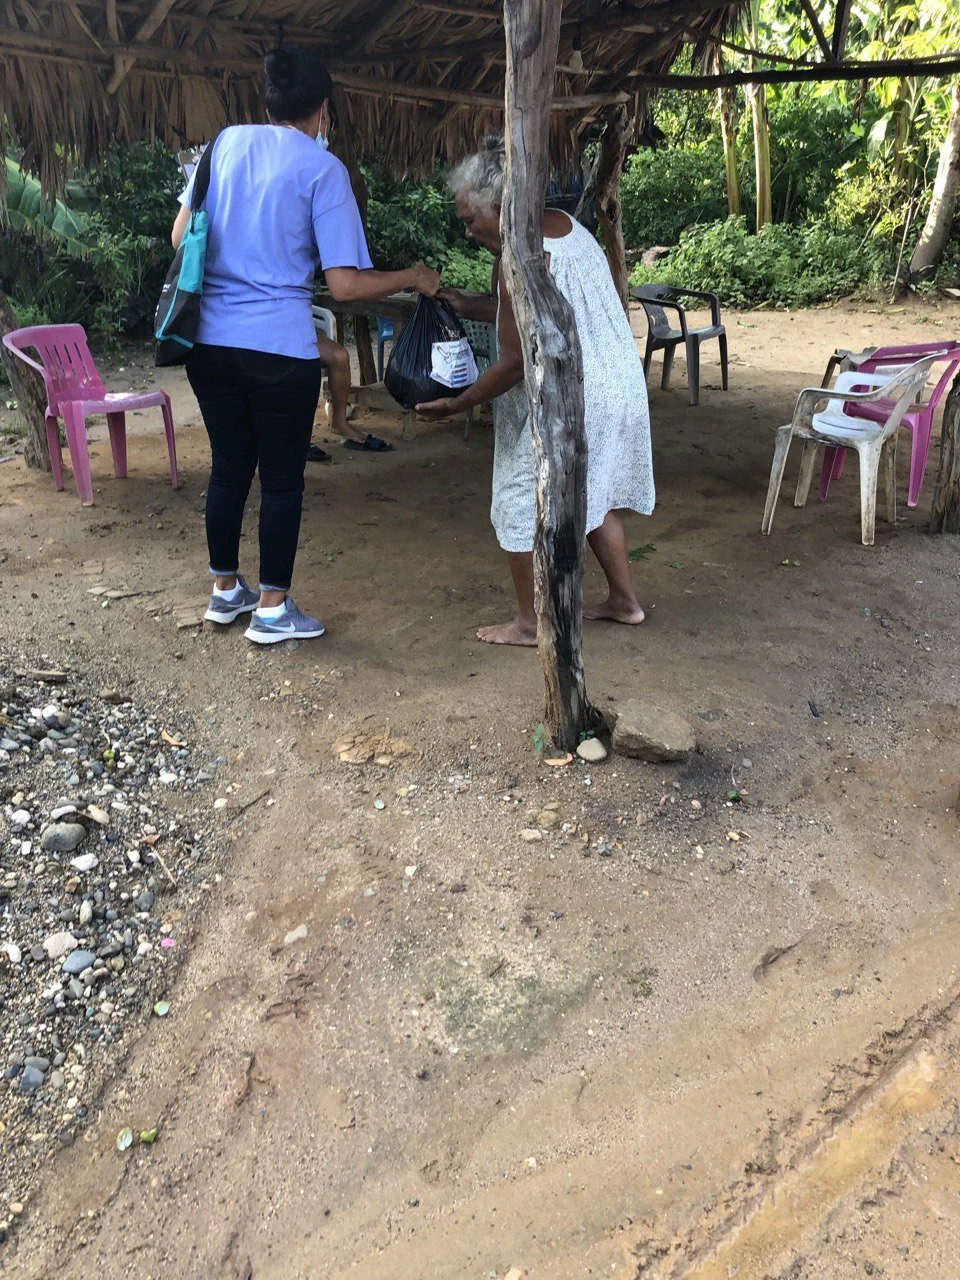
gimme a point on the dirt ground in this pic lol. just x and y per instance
(679, 1035)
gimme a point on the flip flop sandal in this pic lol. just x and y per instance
(372, 444)
(316, 454)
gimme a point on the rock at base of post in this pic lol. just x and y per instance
(649, 733)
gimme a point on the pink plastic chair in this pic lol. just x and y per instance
(918, 419)
(75, 390)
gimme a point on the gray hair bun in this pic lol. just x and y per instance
(479, 178)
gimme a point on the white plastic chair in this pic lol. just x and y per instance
(324, 322)
(875, 442)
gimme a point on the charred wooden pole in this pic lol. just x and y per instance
(30, 393)
(553, 365)
(613, 152)
(945, 509)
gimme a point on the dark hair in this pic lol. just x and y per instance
(297, 83)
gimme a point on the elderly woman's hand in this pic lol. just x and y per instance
(454, 298)
(426, 280)
(437, 408)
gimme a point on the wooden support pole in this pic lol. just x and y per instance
(945, 509)
(613, 152)
(30, 393)
(553, 367)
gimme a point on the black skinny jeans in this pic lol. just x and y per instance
(258, 410)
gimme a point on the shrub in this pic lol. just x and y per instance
(466, 269)
(788, 266)
(664, 190)
(102, 268)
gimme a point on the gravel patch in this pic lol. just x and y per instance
(107, 840)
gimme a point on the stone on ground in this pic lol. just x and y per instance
(63, 837)
(58, 945)
(650, 733)
(592, 750)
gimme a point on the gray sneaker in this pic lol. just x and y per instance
(222, 610)
(292, 624)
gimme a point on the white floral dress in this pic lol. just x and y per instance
(617, 417)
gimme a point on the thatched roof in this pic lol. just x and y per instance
(418, 78)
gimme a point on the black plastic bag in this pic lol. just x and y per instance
(431, 359)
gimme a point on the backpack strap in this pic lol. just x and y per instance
(201, 182)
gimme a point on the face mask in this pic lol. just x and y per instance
(322, 142)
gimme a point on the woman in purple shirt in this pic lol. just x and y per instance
(279, 205)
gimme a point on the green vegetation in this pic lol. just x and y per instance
(849, 168)
(409, 220)
(98, 257)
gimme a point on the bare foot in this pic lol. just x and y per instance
(343, 428)
(515, 632)
(611, 611)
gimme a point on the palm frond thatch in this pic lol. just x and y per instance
(417, 79)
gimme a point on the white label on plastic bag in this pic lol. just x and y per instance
(453, 364)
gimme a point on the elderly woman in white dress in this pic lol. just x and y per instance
(619, 465)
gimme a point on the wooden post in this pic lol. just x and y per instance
(553, 365)
(613, 153)
(945, 510)
(30, 393)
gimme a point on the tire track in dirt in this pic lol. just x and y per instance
(852, 1132)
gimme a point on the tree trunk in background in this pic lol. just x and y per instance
(613, 151)
(945, 508)
(903, 166)
(553, 369)
(30, 394)
(726, 106)
(943, 205)
(757, 98)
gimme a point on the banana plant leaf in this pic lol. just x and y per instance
(24, 209)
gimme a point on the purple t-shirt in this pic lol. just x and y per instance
(279, 207)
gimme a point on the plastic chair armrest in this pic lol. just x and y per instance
(664, 305)
(26, 360)
(712, 298)
(676, 306)
(806, 405)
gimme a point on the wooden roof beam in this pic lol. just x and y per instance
(462, 10)
(123, 64)
(212, 65)
(841, 24)
(819, 34)
(650, 20)
(390, 14)
(941, 67)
